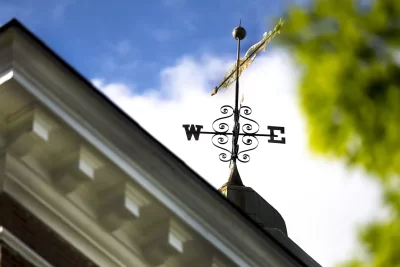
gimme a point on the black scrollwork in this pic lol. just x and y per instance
(246, 110)
(247, 128)
(248, 132)
(218, 140)
(247, 140)
(223, 127)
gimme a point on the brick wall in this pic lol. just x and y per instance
(36, 235)
(9, 258)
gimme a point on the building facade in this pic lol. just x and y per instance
(82, 184)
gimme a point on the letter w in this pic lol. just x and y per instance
(192, 131)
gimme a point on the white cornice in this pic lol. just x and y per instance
(141, 158)
(86, 236)
(23, 250)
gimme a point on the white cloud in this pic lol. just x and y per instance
(321, 202)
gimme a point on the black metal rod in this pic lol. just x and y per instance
(236, 131)
(239, 134)
(237, 82)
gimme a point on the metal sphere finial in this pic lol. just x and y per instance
(239, 33)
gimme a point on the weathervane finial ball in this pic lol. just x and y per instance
(239, 33)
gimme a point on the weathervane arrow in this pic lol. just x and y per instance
(249, 130)
(234, 72)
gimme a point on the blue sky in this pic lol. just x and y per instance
(160, 60)
(130, 40)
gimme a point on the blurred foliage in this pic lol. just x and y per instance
(349, 52)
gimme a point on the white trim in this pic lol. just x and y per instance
(4, 78)
(23, 250)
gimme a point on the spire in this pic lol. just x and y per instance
(234, 176)
(234, 184)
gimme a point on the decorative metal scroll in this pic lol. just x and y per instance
(248, 133)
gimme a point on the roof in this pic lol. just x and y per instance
(293, 247)
(277, 242)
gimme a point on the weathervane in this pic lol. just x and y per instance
(249, 130)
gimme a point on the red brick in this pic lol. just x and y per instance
(36, 235)
(10, 258)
